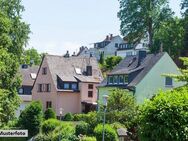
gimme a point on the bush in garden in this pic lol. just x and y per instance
(66, 132)
(43, 137)
(49, 125)
(49, 113)
(78, 117)
(165, 117)
(68, 117)
(31, 118)
(117, 125)
(81, 128)
(110, 133)
(88, 139)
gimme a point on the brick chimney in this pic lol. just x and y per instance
(107, 37)
(111, 36)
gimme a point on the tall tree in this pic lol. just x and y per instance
(9, 83)
(185, 16)
(31, 54)
(169, 37)
(18, 30)
(140, 18)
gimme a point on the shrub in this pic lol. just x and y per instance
(88, 139)
(110, 133)
(66, 132)
(68, 117)
(165, 117)
(78, 117)
(43, 137)
(49, 113)
(117, 125)
(81, 128)
(49, 125)
(31, 118)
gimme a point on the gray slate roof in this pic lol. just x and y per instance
(130, 64)
(26, 75)
(65, 68)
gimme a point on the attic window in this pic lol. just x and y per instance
(33, 76)
(78, 71)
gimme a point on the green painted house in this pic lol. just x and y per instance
(142, 75)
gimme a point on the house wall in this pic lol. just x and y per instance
(44, 96)
(123, 53)
(154, 80)
(110, 49)
(69, 101)
(84, 92)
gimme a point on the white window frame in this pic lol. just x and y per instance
(166, 84)
(119, 79)
(116, 76)
(109, 80)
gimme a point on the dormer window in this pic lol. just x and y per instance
(125, 79)
(44, 70)
(121, 79)
(115, 79)
(66, 86)
(110, 80)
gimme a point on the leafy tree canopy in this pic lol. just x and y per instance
(121, 107)
(170, 37)
(31, 55)
(140, 18)
(165, 117)
(15, 30)
(31, 118)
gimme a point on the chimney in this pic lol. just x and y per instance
(107, 37)
(89, 70)
(141, 55)
(111, 36)
(67, 54)
(74, 54)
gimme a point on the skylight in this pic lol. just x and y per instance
(78, 71)
(33, 75)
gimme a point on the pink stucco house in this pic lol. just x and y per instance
(68, 83)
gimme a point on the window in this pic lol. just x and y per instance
(44, 71)
(168, 82)
(48, 88)
(116, 44)
(21, 91)
(48, 104)
(90, 93)
(121, 79)
(90, 86)
(129, 53)
(115, 79)
(74, 86)
(39, 87)
(125, 79)
(110, 81)
(66, 85)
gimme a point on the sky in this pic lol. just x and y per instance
(61, 25)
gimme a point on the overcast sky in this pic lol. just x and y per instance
(60, 25)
